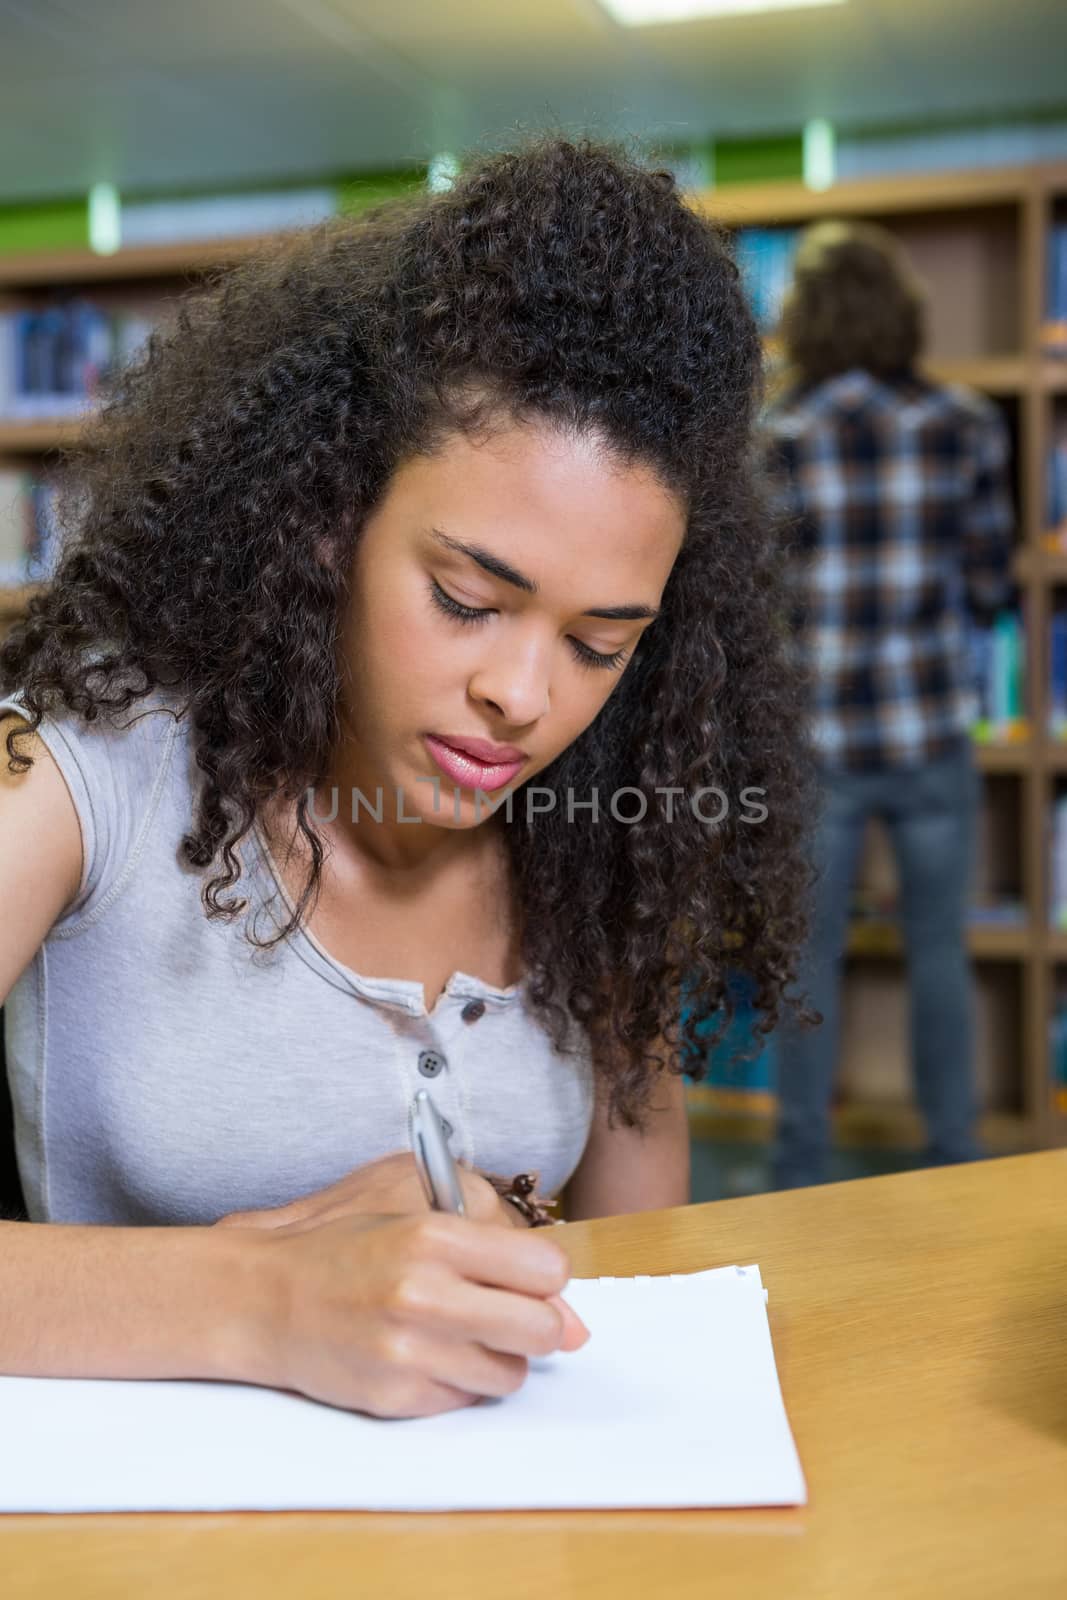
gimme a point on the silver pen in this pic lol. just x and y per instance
(435, 1161)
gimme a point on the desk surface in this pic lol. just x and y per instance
(920, 1326)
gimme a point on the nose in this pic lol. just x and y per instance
(514, 680)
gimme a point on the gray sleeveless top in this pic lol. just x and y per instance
(162, 1071)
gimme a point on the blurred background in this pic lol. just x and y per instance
(144, 144)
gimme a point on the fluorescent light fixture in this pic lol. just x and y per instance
(105, 226)
(646, 13)
(820, 160)
(443, 172)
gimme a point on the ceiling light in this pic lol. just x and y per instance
(645, 13)
(442, 173)
(820, 158)
(105, 219)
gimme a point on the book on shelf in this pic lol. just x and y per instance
(54, 361)
(1056, 486)
(997, 658)
(1057, 702)
(29, 530)
(1058, 1057)
(728, 1081)
(765, 260)
(1002, 912)
(1054, 328)
(1058, 864)
(878, 909)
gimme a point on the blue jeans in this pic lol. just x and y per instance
(930, 812)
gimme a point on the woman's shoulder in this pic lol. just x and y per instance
(116, 767)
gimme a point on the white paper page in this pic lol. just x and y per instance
(674, 1401)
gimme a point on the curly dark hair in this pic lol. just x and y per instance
(854, 302)
(561, 280)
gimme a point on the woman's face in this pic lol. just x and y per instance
(570, 533)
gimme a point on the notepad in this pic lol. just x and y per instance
(673, 1401)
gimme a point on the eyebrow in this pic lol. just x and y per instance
(503, 570)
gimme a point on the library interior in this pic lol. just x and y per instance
(889, 179)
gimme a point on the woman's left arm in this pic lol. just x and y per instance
(633, 1169)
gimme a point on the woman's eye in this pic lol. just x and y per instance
(452, 608)
(587, 656)
(596, 658)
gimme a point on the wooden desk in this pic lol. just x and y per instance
(920, 1325)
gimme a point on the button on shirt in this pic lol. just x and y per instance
(183, 1075)
(894, 497)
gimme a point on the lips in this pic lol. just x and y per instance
(468, 770)
(482, 749)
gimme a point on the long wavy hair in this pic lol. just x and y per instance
(561, 280)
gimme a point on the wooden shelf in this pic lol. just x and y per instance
(894, 1126)
(878, 937)
(1052, 178)
(874, 1125)
(53, 268)
(14, 599)
(739, 204)
(1004, 757)
(1040, 564)
(38, 436)
(998, 375)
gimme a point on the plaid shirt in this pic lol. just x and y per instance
(896, 499)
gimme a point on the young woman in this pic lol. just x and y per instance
(415, 560)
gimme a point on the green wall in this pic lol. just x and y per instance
(51, 225)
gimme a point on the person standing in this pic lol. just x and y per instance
(894, 495)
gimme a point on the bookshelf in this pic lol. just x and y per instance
(36, 437)
(50, 269)
(979, 241)
(142, 283)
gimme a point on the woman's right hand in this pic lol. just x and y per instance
(408, 1316)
